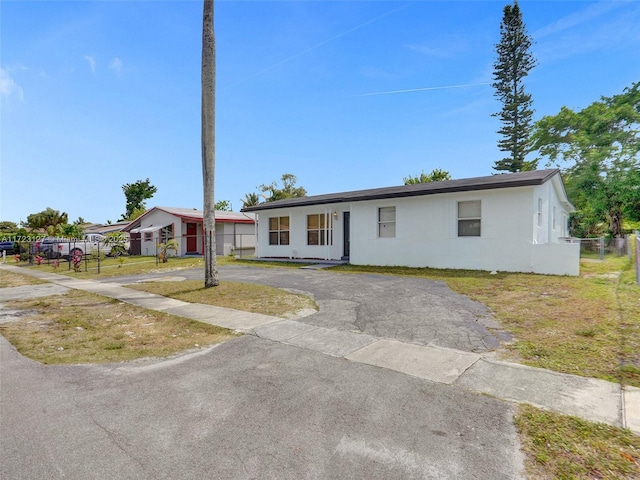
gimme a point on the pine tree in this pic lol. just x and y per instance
(513, 64)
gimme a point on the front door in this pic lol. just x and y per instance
(346, 234)
(192, 238)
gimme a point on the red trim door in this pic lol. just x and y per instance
(192, 238)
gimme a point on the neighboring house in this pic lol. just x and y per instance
(234, 231)
(512, 222)
(104, 229)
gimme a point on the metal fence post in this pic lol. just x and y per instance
(637, 257)
(601, 248)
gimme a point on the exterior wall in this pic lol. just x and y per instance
(553, 221)
(157, 217)
(427, 236)
(229, 235)
(427, 232)
(298, 247)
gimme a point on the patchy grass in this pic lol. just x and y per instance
(82, 327)
(587, 325)
(10, 279)
(240, 296)
(563, 447)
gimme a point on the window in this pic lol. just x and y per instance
(539, 212)
(554, 218)
(319, 229)
(148, 236)
(387, 222)
(166, 233)
(469, 219)
(278, 230)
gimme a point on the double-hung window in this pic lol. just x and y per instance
(278, 230)
(469, 218)
(319, 229)
(386, 222)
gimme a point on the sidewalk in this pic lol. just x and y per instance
(588, 398)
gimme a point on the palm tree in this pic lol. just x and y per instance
(209, 143)
(250, 199)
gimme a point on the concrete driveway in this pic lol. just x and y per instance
(413, 310)
(246, 409)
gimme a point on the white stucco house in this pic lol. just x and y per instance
(234, 231)
(512, 222)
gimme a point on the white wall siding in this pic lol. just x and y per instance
(426, 232)
(298, 247)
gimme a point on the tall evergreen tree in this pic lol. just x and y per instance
(513, 64)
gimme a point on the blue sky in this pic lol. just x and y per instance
(346, 95)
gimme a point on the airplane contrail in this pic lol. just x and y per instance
(409, 90)
(317, 45)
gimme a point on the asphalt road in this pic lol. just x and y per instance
(413, 310)
(246, 409)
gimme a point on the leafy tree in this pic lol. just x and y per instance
(136, 194)
(47, 218)
(71, 231)
(7, 226)
(250, 199)
(208, 78)
(598, 146)
(436, 175)
(222, 206)
(272, 192)
(80, 221)
(137, 212)
(513, 64)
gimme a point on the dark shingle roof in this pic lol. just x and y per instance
(520, 179)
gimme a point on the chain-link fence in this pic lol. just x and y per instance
(237, 244)
(601, 246)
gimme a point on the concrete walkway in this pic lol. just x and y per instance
(588, 398)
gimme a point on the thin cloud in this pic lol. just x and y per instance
(320, 44)
(116, 65)
(578, 18)
(8, 86)
(619, 32)
(92, 63)
(423, 89)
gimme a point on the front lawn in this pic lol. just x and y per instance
(82, 327)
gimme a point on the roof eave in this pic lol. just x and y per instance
(344, 198)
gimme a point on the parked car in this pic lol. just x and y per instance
(92, 242)
(10, 247)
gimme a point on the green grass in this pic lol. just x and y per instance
(240, 296)
(81, 327)
(564, 447)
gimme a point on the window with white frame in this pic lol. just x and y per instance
(386, 222)
(469, 218)
(319, 229)
(539, 212)
(554, 218)
(278, 230)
